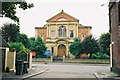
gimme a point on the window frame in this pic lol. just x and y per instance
(52, 35)
(62, 32)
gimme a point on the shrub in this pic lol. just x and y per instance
(18, 46)
(105, 56)
(21, 55)
(100, 56)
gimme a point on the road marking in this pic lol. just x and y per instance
(98, 76)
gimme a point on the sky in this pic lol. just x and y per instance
(92, 13)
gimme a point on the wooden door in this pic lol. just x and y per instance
(61, 50)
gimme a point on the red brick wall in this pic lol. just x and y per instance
(115, 35)
(60, 15)
(85, 30)
(41, 31)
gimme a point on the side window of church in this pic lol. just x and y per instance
(71, 33)
(53, 33)
(41, 35)
(83, 36)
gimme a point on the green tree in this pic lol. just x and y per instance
(104, 42)
(32, 43)
(32, 39)
(18, 46)
(20, 50)
(21, 55)
(75, 47)
(24, 40)
(10, 32)
(90, 45)
(39, 47)
(9, 9)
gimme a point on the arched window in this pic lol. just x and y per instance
(62, 31)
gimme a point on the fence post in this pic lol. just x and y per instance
(30, 60)
(63, 58)
(51, 57)
(6, 55)
(14, 59)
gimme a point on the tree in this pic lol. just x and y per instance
(10, 32)
(21, 55)
(32, 40)
(32, 43)
(75, 47)
(24, 40)
(39, 47)
(9, 9)
(90, 45)
(18, 46)
(104, 42)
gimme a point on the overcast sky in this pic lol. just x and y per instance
(92, 13)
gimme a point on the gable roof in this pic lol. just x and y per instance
(60, 15)
(82, 26)
(3, 43)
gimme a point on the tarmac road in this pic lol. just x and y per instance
(71, 70)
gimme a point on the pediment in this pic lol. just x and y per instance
(62, 19)
(62, 16)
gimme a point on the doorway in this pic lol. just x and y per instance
(61, 50)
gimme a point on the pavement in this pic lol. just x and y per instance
(106, 76)
(31, 72)
(39, 70)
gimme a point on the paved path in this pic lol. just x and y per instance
(32, 72)
(71, 70)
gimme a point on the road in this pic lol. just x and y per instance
(70, 70)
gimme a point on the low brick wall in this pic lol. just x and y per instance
(41, 59)
(94, 61)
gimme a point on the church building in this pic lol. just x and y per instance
(60, 31)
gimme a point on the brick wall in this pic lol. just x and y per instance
(115, 34)
(41, 31)
(85, 30)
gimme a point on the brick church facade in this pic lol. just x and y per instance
(60, 31)
(114, 20)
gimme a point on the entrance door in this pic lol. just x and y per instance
(61, 50)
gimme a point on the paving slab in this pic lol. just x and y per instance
(32, 72)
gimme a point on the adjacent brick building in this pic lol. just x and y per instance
(114, 16)
(60, 31)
